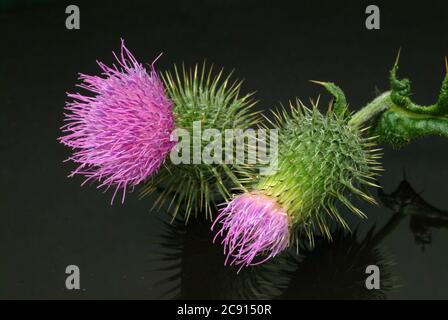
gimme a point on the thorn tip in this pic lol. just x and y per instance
(397, 59)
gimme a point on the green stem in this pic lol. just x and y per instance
(372, 109)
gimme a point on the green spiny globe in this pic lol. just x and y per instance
(213, 100)
(320, 158)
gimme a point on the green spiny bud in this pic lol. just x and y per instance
(320, 158)
(210, 101)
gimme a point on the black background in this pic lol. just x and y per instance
(48, 222)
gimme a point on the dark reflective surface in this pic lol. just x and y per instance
(330, 270)
(130, 251)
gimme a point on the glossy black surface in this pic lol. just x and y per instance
(130, 251)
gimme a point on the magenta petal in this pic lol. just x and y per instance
(120, 133)
(250, 224)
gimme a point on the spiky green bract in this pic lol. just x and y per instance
(405, 120)
(339, 105)
(321, 159)
(199, 94)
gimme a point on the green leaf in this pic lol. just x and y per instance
(405, 120)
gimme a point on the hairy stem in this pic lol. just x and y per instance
(372, 109)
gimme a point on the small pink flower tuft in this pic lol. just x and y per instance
(254, 223)
(121, 133)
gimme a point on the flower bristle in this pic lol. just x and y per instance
(200, 94)
(120, 133)
(252, 223)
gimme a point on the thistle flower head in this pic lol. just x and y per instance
(253, 223)
(323, 161)
(120, 133)
(321, 158)
(213, 99)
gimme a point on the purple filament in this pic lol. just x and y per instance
(120, 133)
(252, 224)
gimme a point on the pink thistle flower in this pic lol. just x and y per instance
(254, 223)
(121, 133)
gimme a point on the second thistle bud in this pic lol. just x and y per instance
(321, 160)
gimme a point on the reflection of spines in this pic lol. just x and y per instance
(336, 270)
(169, 258)
(423, 216)
(193, 265)
(330, 270)
(197, 272)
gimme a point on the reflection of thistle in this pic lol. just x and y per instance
(336, 270)
(331, 270)
(197, 272)
(423, 216)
